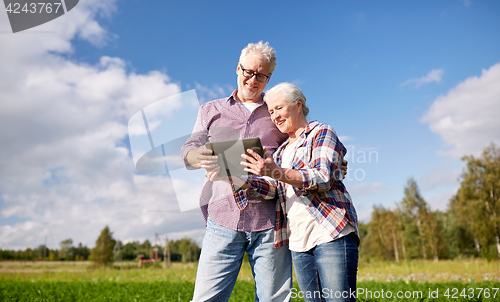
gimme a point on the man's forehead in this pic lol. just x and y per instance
(255, 61)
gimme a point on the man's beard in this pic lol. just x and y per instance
(250, 95)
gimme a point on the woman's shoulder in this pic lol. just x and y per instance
(324, 135)
(315, 126)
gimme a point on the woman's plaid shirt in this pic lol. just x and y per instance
(318, 157)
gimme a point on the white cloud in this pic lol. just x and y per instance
(440, 183)
(206, 94)
(80, 211)
(66, 172)
(434, 76)
(364, 215)
(441, 175)
(345, 138)
(466, 117)
(439, 201)
(364, 189)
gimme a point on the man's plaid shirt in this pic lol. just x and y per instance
(318, 157)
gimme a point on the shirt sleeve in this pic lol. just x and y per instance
(323, 169)
(198, 137)
(264, 187)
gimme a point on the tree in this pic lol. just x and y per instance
(129, 250)
(412, 209)
(81, 252)
(66, 251)
(434, 230)
(145, 248)
(478, 199)
(102, 254)
(42, 251)
(423, 233)
(383, 234)
(457, 238)
(400, 227)
(365, 250)
(117, 251)
(184, 249)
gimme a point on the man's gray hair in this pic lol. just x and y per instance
(262, 48)
(290, 93)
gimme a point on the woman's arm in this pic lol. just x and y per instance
(267, 167)
(254, 186)
(322, 170)
(324, 167)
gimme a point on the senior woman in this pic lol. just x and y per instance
(315, 214)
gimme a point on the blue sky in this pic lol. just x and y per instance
(412, 82)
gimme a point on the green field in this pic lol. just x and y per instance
(465, 280)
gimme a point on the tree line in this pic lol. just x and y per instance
(66, 252)
(468, 228)
(183, 250)
(106, 250)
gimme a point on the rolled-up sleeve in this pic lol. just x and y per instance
(326, 159)
(197, 138)
(264, 187)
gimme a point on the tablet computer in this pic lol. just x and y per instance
(229, 153)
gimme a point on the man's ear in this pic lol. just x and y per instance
(238, 68)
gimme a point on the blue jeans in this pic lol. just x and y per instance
(328, 271)
(221, 258)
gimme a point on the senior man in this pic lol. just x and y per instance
(232, 231)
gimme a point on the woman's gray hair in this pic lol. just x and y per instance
(262, 48)
(290, 93)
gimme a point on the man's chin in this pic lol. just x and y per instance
(250, 95)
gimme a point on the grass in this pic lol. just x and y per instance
(468, 270)
(76, 281)
(83, 272)
(244, 291)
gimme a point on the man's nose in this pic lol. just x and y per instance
(253, 78)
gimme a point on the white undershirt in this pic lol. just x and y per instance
(304, 232)
(250, 107)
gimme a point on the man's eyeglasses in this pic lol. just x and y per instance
(249, 74)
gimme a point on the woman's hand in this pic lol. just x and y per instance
(343, 168)
(255, 164)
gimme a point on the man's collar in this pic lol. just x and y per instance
(234, 97)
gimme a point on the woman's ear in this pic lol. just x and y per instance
(299, 104)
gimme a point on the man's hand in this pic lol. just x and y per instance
(202, 158)
(343, 168)
(213, 175)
